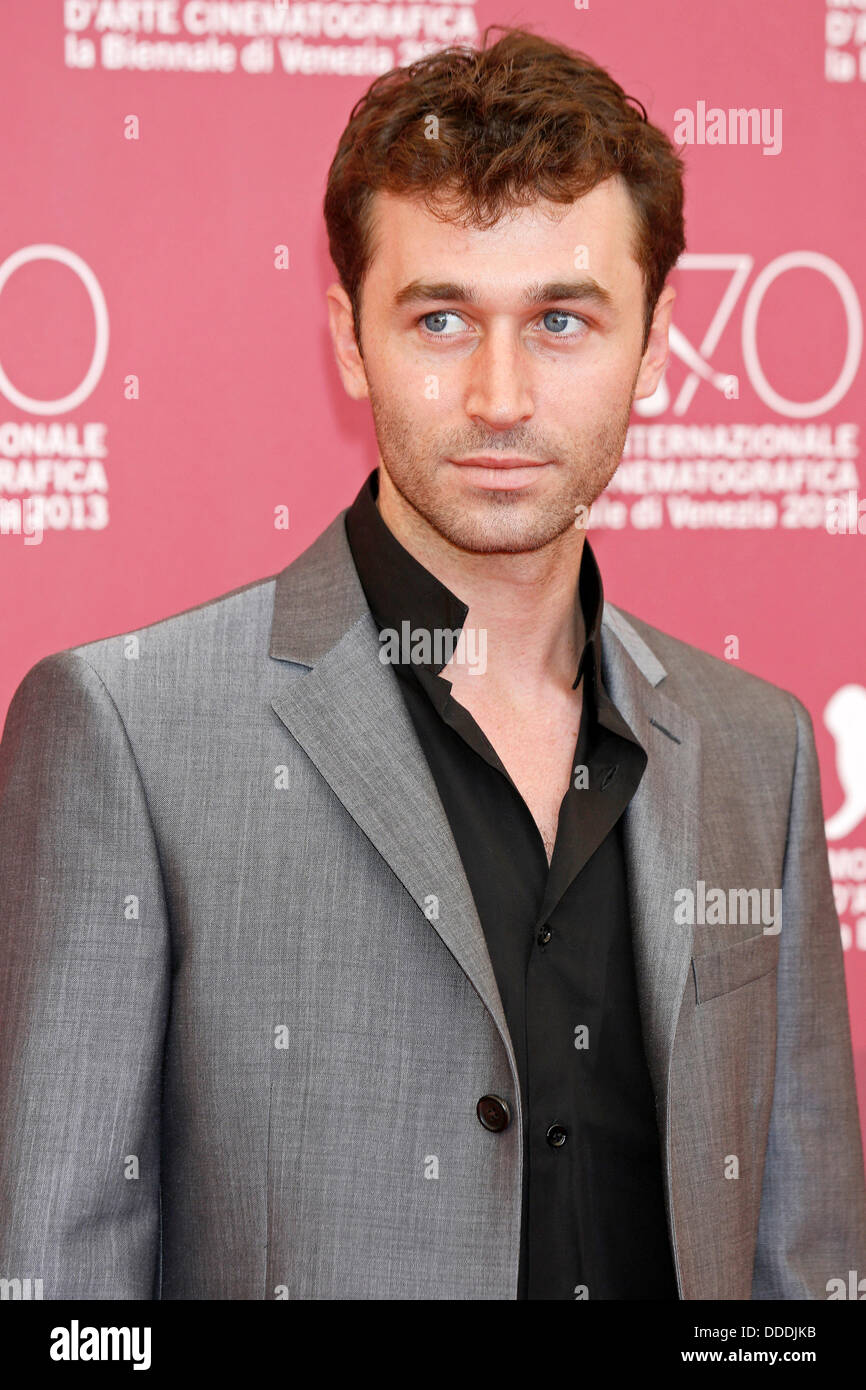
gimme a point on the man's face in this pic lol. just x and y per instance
(521, 341)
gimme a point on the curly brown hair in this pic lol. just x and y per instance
(522, 120)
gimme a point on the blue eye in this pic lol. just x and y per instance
(440, 315)
(560, 315)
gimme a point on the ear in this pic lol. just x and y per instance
(349, 359)
(656, 352)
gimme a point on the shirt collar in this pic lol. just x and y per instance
(399, 588)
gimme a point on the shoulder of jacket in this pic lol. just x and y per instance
(231, 611)
(691, 674)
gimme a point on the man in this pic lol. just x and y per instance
(362, 928)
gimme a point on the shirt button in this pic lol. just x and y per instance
(544, 936)
(493, 1112)
(556, 1136)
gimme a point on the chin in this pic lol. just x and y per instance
(502, 536)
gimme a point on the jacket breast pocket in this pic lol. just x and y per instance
(720, 972)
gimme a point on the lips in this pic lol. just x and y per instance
(500, 474)
(491, 461)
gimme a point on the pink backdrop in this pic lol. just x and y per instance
(168, 150)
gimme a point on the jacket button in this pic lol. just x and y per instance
(544, 936)
(556, 1136)
(493, 1112)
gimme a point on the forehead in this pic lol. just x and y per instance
(408, 241)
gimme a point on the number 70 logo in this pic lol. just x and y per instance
(698, 360)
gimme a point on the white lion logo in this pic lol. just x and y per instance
(845, 717)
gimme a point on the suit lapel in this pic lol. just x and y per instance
(348, 715)
(660, 832)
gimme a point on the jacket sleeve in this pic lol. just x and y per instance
(84, 986)
(812, 1224)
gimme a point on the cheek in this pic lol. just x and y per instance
(580, 400)
(401, 412)
(415, 383)
(591, 389)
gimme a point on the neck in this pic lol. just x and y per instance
(525, 602)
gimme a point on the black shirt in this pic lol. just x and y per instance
(559, 939)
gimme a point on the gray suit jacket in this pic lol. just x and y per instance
(246, 998)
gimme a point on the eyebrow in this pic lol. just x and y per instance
(586, 289)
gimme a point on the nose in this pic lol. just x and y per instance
(498, 386)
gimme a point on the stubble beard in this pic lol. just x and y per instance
(496, 521)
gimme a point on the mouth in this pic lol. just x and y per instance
(503, 474)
